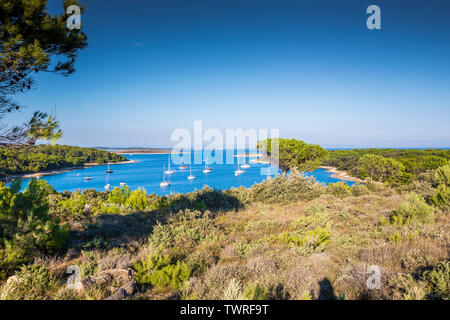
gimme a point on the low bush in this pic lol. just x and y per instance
(308, 242)
(137, 199)
(32, 282)
(162, 272)
(339, 189)
(185, 230)
(439, 280)
(413, 209)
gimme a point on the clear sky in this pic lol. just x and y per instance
(310, 68)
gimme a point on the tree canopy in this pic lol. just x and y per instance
(293, 153)
(32, 41)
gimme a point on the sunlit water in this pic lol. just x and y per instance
(147, 173)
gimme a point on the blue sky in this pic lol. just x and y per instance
(309, 68)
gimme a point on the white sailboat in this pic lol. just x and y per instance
(109, 170)
(170, 171)
(183, 166)
(238, 171)
(164, 183)
(191, 177)
(207, 169)
(245, 165)
(107, 185)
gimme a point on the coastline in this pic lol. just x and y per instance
(48, 173)
(342, 175)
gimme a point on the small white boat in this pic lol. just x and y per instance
(207, 169)
(164, 183)
(88, 178)
(238, 171)
(122, 184)
(182, 167)
(245, 166)
(191, 177)
(107, 187)
(170, 171)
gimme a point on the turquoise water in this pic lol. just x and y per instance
(147, 173)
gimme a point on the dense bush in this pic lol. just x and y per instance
(413, 209)
(162, 272)
(32, 282)
(443, 175)
(26, 225)
(281, 189)
(439, 280)
(407, 167)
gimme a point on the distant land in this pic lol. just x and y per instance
(138, 150)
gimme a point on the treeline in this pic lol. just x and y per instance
(31, 159)
(392, 165)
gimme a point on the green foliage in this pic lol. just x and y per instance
(33, 41)
(380, 168)
(441, 198)
(75, 205)
(44, 127)
(119, 196)
(88, 266)
(32, 282)
(414, 163)
(255, 291)
(281, 189)
(185, 230)
(30, 159)
(314, 240)
(26, 225)
(162, 272)
(443, 175)
(137, 199)
(413, 209)
(293, 153)
(339, 189)
(439, 280)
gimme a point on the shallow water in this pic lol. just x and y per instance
(147, 173)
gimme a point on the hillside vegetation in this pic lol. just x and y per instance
(285, 238)
(31, 159)
(395, 166)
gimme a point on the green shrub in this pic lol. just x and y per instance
(75, 205)
(282, 189)
(441, 197)
(311, 241)
(255, 291)
(339, 189)
(439, 280)
(162, 272)
(137, 199)
(119, 195)
(413, 209)
(88, 266)
(33, 282)
(443, 175)
(26, 226)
